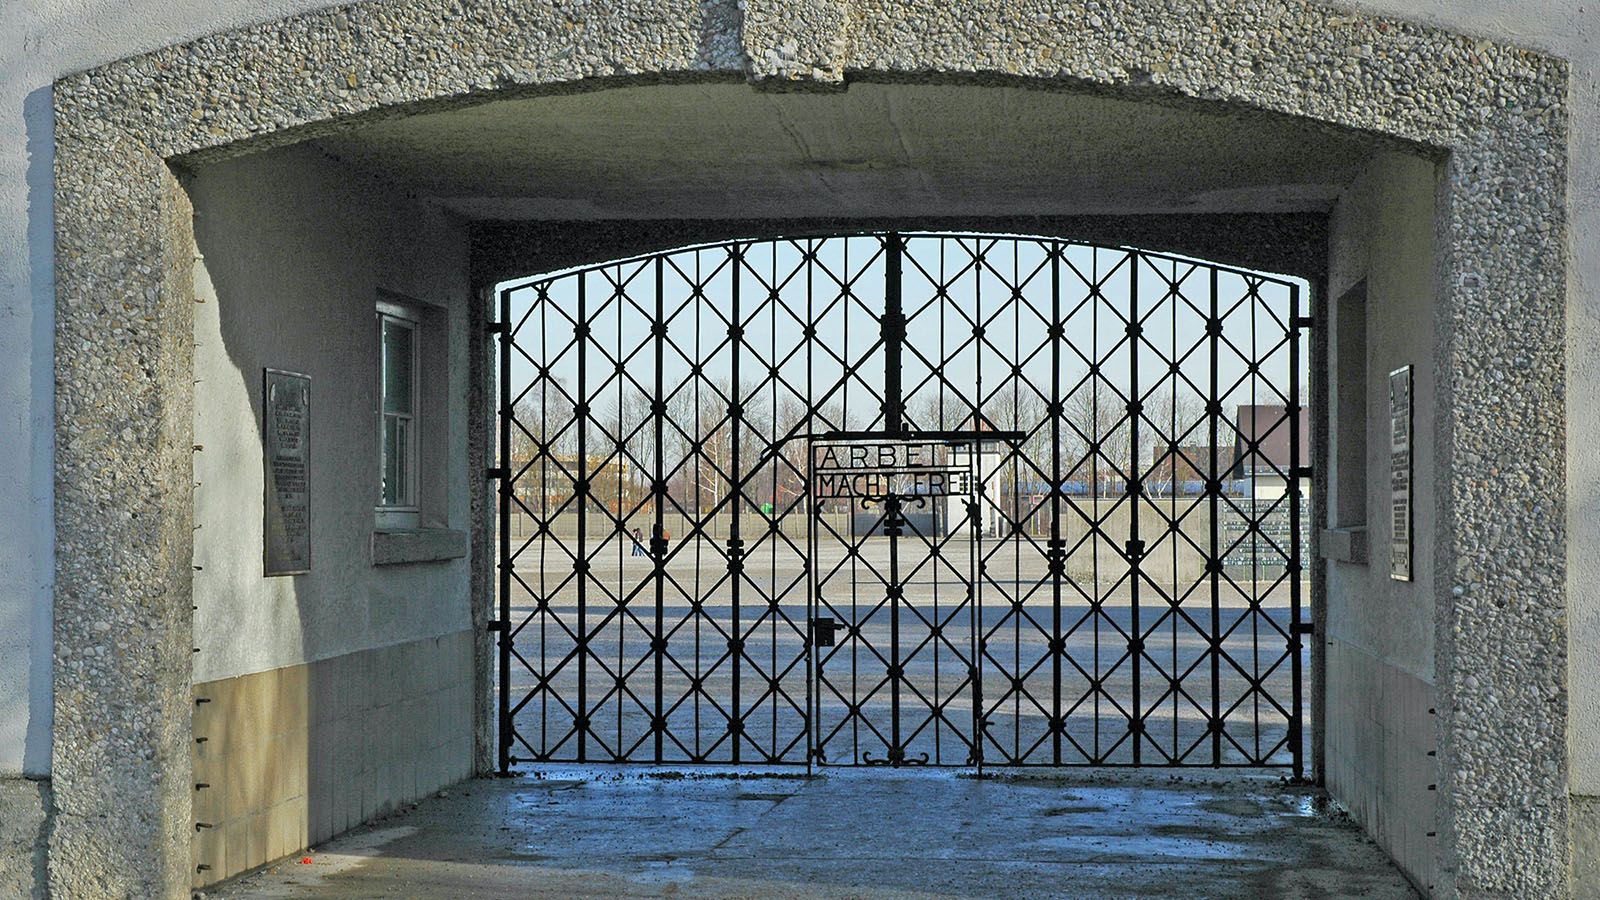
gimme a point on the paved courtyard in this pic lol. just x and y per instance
(575, 832)
(947, 612)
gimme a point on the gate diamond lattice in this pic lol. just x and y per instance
(1122, 585)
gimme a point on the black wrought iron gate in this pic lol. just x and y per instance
(1120, 583)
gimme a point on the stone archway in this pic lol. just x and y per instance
(124, 247)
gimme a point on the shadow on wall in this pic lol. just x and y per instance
(27, 538)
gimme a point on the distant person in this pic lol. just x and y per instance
(638, 542)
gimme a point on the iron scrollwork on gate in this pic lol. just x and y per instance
(1122, 585)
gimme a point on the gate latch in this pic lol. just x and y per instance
(822, 629)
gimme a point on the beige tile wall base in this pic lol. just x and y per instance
(24, 832)
(1585, 846)
(1386, 773)
(289, 757)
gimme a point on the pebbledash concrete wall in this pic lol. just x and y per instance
(324, 698)
(111, 288)
(1569, 29)
(1381, 734)
(40, 41)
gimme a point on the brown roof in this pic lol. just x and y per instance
(1267, 426)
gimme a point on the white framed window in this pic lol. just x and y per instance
(398, 417)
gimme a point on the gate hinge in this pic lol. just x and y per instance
(497, 625)
(1303, 628)
(496, 328)
(497, 472)
(1300, 472)
(1302, 322)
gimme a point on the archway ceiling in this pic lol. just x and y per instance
(726, 150)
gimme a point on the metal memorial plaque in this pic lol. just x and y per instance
(286, 439)
(1400, 473)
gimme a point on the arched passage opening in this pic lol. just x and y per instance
(1103, 623)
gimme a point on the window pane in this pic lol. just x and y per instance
(391, 461)
(397, 356)
(402, 465)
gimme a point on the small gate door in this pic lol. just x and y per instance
(894, 623)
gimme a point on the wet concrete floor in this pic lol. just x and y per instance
(576, 832)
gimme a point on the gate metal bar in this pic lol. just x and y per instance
(1297, 731)
(1058, 544)
(1243, 647)
(506, 562)
(735, 545)
(1135, 547)
(1213, 498)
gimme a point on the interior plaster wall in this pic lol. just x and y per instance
(295, 755)
(1381, 733)
(325, 698)
(295, 249)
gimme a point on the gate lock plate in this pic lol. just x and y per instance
(822, 629)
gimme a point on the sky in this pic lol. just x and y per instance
(979, 312)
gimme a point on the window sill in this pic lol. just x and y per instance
(399, 546)
(1346, 545)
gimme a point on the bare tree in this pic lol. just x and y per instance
(1172, 418)
(1172, 415)
(939, 408)
(627, 437)
(1096, 432)
(791, 425)
(1174, 437)
(543, 439)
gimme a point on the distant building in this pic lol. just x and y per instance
(1261, 445)
(986, 461)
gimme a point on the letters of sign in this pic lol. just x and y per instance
(1400, 473)
(889, 468)
(286, 440)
